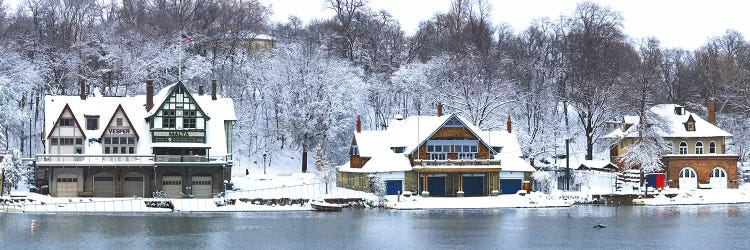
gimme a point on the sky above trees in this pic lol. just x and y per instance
(685, 24)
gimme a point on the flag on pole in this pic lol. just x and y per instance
(186, 39)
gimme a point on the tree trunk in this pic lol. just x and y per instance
(304, 159)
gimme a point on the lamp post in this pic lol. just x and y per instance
(567, 164)
(264, 163)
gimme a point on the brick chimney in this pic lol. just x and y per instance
(359, 124)
(213, 90)
(82, 82)
(149, 95)
(440, 110)
(712, 111)
(508, 125)
(200, 90)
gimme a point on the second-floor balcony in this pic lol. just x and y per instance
(91, 159)
(123, 159)
(462, 162)
(181, 158)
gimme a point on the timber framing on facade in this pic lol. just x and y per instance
(184, 155)
(442, 155)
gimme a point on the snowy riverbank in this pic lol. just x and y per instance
(699, 197)
(533, 200)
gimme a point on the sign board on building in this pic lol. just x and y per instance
(118, 131)
(179, 133)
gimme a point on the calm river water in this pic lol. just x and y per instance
(681, 227)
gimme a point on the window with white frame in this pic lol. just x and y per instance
(683, 148)
(712, 147)
(119, 145)
(66, 122)
(670, 148)
(439, 151)
(699, 147)
(355, 150)
(464, 149)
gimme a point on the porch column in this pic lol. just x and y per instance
(495, 176)
(425, 193)
(460, 192)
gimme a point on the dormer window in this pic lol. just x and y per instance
(92, 122)
(679, 110)
(497, 149)
(690, 124)
(354, 150)
(398, 150)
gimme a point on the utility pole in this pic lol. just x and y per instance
(567, 164)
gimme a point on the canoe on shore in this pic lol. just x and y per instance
(326, 207)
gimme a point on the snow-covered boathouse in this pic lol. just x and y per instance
(696, 156)
(128, 146)
(445, 155)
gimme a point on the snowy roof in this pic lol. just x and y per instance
(596, 165)
(411, 132)
(219, 110)
(631, 119)
(675, 122)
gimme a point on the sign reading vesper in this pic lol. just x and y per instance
(118, 131)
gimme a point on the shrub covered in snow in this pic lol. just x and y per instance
(544, 181)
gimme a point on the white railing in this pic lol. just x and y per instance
(424, 162)
(42, 159)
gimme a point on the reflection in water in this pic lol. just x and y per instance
(627, 227)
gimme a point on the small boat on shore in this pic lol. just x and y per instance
(326, 207)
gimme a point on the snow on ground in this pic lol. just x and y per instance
(699, 197)
(533, 200)
(256, 186)
(294, 186)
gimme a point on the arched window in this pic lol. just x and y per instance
(699, 147)
(687, 173)
(683, 148)
(670, 148)
(718, 172)
(712, 147)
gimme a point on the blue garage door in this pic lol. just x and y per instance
(393, 187)
(473, 186)
(510, 186)
(436, 186)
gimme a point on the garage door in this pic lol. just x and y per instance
(688, 179)
(473, 186)
(436, 186)
(718, 178)
(393, 187)
(172, 186)
(510, 186)
(202, 186)
(104, 185)
(133, 185)
(67, 185)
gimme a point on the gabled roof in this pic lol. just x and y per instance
(221, 110)
(675, 124)
(414, 131)
(432, 130)
(54, 125)
(164, 94)
(119, 108)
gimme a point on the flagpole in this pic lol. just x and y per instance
(179, 64)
